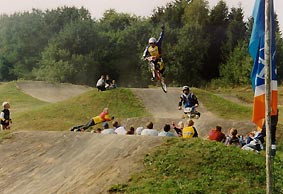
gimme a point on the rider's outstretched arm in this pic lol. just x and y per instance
(160, 39)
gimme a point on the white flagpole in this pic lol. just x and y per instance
(267, 58)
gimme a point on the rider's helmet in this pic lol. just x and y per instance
(186, 89)
(151, 40)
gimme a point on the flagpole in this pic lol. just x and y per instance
(267, 58)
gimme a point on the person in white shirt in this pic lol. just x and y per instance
(149, 131)
(107, 130)
(120, 130)
(166, 131)
(101, 83)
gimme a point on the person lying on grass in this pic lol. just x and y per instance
(102, 117)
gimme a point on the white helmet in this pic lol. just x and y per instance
(186, 88)
(151, 40)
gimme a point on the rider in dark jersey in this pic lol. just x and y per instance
(188, 99)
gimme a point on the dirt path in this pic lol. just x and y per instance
(163, 107)
(65, 162)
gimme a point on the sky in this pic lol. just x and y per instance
(137, 7)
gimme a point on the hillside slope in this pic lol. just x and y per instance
(65, 162)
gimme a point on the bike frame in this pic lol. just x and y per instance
(156, 73)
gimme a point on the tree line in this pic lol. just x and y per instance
(201, 46)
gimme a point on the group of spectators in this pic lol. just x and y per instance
(188, 131)
(253, 141)
(105, 83)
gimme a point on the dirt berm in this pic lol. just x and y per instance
(65, 162)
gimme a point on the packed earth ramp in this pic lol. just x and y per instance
(51, 92)
(66, 162)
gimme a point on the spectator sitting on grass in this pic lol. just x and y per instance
(120, 130)
(190, 131)
(253, 142)
(113, 84)
(178, 128)
(149, 131)
(131, 131)
(232, 138)
(107, 129)
(101, 84)
(166, 131)
(217, 135)
(138, 130)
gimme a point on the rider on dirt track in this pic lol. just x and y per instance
(188, 99)
(154, 49)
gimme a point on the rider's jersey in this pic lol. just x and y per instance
(156, 50)
(101, 118)
(189, 100)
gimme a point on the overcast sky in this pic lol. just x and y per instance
(137, 7)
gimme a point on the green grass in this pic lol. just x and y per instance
(19, 101)
(5, 135)
(222, 107)
(198, 166)
(79, 110)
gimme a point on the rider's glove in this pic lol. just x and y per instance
(196, 105)
(180, 107)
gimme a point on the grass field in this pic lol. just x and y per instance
(198, 166)
(79, 110)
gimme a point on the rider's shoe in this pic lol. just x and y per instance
(152, 79)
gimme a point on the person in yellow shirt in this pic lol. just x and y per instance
(103, 116)
(154, 49)
(190, 131)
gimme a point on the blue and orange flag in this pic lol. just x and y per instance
(256, 50)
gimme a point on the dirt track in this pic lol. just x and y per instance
(164, 108)
(66, 162)
(51, 92)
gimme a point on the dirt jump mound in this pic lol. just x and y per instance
(51, 92)
(66, 162)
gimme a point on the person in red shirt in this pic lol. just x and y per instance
(217, 135)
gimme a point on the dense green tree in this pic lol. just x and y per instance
(217, 32)
(70, 56)
(237, 69)
(236, 31)
(67, 45)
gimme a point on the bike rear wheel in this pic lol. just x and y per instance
(163, 84)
